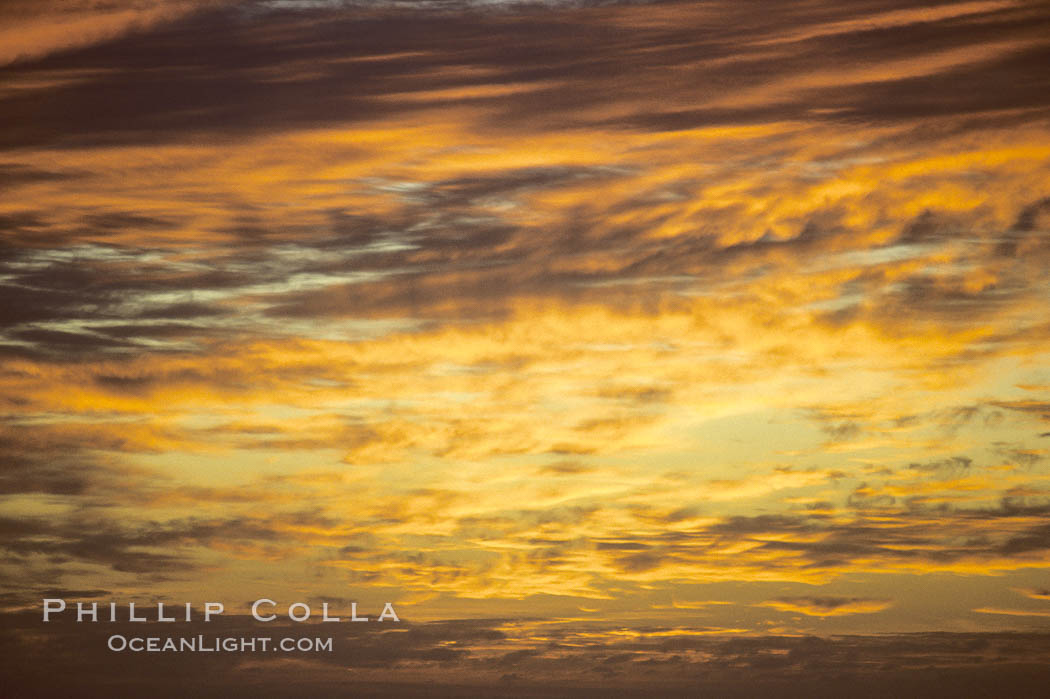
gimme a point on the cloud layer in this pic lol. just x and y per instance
(635, 312)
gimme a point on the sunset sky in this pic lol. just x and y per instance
(595, 336)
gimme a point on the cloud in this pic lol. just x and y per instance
(449, 657)
(570, 305)
(1013, 612)
(1037, 594)
(828, 606)
(33, 30)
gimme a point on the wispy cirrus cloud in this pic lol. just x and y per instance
(720, 296)
(33, 30)
(828, 606)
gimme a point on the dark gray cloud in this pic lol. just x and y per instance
(236, 72)
(13, 175)
(149, 548)
(140, 271)
(1039, 408)
(465, 658)
(952, 465)
(237, 79)
(877, 527)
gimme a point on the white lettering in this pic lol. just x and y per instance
(49, 607)
(131, 614)
(302, 617)
(83, 612)
(212, 608)
(255, 609)
(324, 613)
(388, 612)
(160, 613)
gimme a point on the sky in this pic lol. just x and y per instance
(614, 343)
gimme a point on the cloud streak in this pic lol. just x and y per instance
(579, 308)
